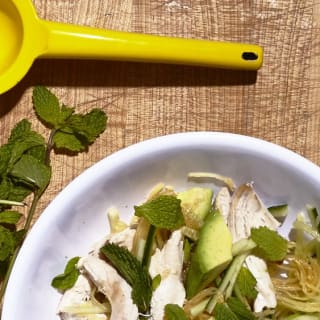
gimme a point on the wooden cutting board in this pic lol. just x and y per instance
(280, 103)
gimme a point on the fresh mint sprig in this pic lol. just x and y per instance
(25, 166)
(70, 131)
(131, 269)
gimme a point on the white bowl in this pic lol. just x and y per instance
(76, 218)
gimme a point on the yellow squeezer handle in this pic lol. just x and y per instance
(72, 41)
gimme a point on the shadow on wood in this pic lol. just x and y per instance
(91, 73)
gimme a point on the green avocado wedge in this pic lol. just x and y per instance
(212, 254)
(196, 203)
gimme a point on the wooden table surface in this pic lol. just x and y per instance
(280, 103)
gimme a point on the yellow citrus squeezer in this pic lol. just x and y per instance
(25, 37)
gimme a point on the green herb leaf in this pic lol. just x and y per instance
(223, 312)
(10, 217)
(240, 309)
(73, 132)
(32, 171)
(4, 189)
(7, 243)
(17, 191)
(131, 269)
(80, 131)
(19, 236)
(68, 141)
(22, 140)
(5, 155)
(48, 109)
(272, 245)
(38, 152)
(174, 312)
(68, 278)
(162, 212)
(246, 283)
(89, 125)
(20, 129)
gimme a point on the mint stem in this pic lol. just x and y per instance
(31, 212)
(49, 146)
(16, 252)
(12, 203)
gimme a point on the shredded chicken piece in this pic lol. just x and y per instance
(248, 211)
(112, 285)
(266, 292)
(223, 202)
(123, 238)
(168, 263)
(78, 298)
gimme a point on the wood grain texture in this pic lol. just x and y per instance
(280, 103)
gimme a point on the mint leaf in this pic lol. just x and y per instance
(17, 191)
(162, 212)
(240, 309)
(68, 278)
(19, 236)
(272, 246)
(4, 189)
(22, 140)
(246, 283)
(80, 131)
(48, 109)
(21, 129)
(32, 171)
(5, 155)
(223, 312)
(13, 191)
(7, 243)
(89, 126)
(73, 132)
(38, 152)
(68, 141)
(174, 312)
(131, 269)
(10, 217)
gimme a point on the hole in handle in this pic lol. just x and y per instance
(249, 56)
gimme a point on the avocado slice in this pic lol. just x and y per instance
(212, 254)
(196, 203)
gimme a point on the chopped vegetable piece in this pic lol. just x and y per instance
(279, 211)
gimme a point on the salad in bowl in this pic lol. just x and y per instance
(193, 255)
(202, 225)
